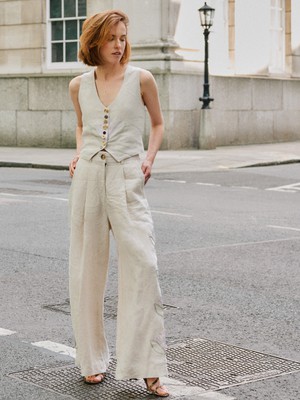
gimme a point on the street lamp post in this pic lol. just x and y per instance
(206, 19)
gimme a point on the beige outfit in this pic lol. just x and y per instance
(107, 192)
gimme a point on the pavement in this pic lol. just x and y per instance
(219, 159)
(167, 160)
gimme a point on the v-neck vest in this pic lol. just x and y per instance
(118, 127)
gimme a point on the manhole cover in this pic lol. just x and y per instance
(199, 363)
(215, 365)
(66, 380)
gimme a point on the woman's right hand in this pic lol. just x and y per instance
(72, 166)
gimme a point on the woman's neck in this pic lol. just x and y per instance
(107, 71)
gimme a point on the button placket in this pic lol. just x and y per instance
(105, 127)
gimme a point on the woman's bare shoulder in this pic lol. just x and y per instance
(146, 75)
(146, 78)
(74, 84)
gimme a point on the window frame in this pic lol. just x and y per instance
(65, 65)
(273, 68)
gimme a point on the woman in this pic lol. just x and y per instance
(107, 193)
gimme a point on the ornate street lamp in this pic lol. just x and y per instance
(206, 18)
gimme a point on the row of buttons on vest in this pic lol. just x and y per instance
(105, 127)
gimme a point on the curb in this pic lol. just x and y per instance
(270, 163)
(9, 164)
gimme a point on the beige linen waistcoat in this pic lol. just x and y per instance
(117, 127)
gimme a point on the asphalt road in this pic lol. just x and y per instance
(228, 246)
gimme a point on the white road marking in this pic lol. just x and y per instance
(10, 201)
(284, 227)
(207, 184)
(33, 196)
(232, 187)
(63, 199)
(292, 188)
(51, 198)
(173, 180)
(233, 245)
(215, 396)
(245, 187)
(56, 348)
(258, 242)
(173, 214)
(178, 388)
(11, 194)
(6, 332)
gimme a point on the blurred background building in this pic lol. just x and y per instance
(254, 65)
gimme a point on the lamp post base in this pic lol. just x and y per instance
(206, 101)
(207, 136)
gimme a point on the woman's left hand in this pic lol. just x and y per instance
(72, 166)
(146, 168)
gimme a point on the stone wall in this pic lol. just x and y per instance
(255, 110)
(37, 111)
(166, 37)
(22, 36)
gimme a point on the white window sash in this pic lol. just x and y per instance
(277, 36)
(65, 65)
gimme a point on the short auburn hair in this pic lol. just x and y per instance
(95, 33)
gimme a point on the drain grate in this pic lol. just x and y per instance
(66, 380)
(214, 365)
(196, 362)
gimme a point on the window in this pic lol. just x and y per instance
(65, 19)
(277, 36)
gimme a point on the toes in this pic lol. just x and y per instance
(94, 378)
(162, 391)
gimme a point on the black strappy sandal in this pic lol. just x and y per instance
(159, 390)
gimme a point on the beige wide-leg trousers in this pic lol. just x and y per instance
(105, 195)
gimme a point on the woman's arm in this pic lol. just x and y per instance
(150, 97)
(74, 90)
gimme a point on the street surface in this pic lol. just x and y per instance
(228, 246)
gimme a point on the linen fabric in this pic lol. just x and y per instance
(107, 194)
(126, 117)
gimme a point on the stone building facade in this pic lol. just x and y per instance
(254, 67)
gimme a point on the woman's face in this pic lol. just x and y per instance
(112, 51)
